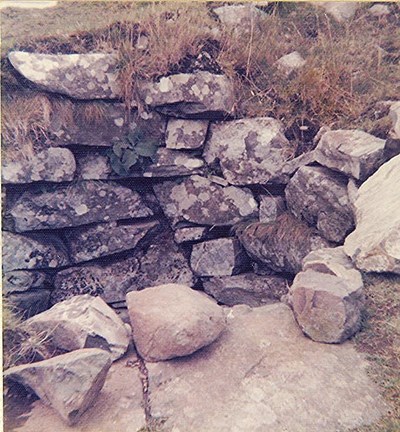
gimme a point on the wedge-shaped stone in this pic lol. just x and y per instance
(185, 134)
(80, 76)
(53, 165)
(352, 152)
(87, 243)
(219, 257)
(82, 322)
(173, 321)
(76, 204)
(199, 95)
(199, 200)
(247, 288)
(33, 251)
(249, 151)
(319, 196)
(190, 233)
(374, 246)
(69, 383)
(271, 207)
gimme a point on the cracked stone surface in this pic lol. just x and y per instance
(53, 165)
(76, 204)
(199, 94)
(185, 134)
(34, 251)
(87, 243)
(198, 200)
(319, 196)
(80, 76)
(352, 152)
(259, 373)
(374, 246)
(249, 151)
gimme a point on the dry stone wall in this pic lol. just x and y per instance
(181, 192)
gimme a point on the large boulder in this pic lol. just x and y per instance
(259, 373)
(248, 288)
(249, 151)
(327, 297)
(198, 200)
(69, 383)
(185, 134)
(352, 152)
(80, 76)
(374, 246)
(33, 251)
(319, 196)
(219, 257)
(53, 165)
(82, 322)
(161, 263)
(190, 95)
(76, 204)
(173, 321)
(280, 245)
(87, 243)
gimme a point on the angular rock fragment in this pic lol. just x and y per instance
(247, 288)
(319, 196)
(82, 322)
(374, 246)
(379, 10)
(195, 95)
(91, 242)
(33, 251)
(69, 383)
(190, 233)
(271, 207)
(341, 11)
(80, 76)
(198, 200)
(161, 263)
(327, 297)
(281, 245)
(219, 257)
(173, 321)
(17, 281)
(284, 174)
(290, 62)
(239, 18)
(249, 151)
(94, 165)
(352, 152)
(185, 134)
(76, 204)
(53, 165)
(171, 163)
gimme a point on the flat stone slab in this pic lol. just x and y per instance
(185, 134)
(262, 374)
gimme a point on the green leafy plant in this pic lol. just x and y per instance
(132, 152)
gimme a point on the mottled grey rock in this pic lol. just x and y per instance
(271, 207)
(76, 204)
(219, 257)
(198, 200)
(185, 134)
(86, 243)
(319, 196)
(199, 94)
(161, 263)
(257, 374)
(239, 18)
(394, 114)
(353, 152)
(53, 165)
(94, 165)
(341, 11)
(326, 306)
(69, 383)
(173, 321)
(290, 62)
(190, 233)
(280, 245)
(17, 281)
(249, 151)
(284, 174)
(171, 163)
(247, 288)
(33, 251)
(80, 76)
(82, 322)
(379, 10)
(29, 303)
(374, 246)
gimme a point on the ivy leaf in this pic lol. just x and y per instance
(146, 149)
(129, 159)
(116, 165)
(119, 148)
